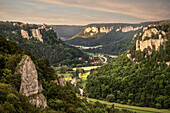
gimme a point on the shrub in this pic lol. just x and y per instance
(110, 98)
(157, 105)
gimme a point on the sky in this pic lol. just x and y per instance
(83, 12)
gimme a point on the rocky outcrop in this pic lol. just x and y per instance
(73, 81)
(168, 63)
(39, 101)
(148, 33)
(105, 29)
(24, 34)
(94, 30)
(29, 82)
(134, 36)
(141, 45)
(29, 76)
(118, 29)
(61, 81)
(87, 30)
(46, 27)
(81, 91)
(36, 34)
(127, 29)
(130, 28)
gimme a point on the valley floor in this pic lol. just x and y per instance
(117, 105)
(128, 107)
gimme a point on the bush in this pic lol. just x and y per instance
(110, 98)
(157, 105)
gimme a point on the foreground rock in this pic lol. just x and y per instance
(29, 82)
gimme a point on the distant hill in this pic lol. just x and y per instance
(43, 42)
(139, 77)
(115, 38)
(67, 31)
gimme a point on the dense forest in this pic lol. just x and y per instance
(52, 48)
(60, 99)
(142, 80)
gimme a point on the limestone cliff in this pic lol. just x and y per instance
(29, 82)
(130, 28)
(141, 45)
(94, 30)
(36, 34)
(24, 34)
(148, 33)
(105, 29)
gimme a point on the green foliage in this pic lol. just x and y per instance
(52, 48)
(13, 102)
(113, 42)
(59, 99)
(110, 98)
(142, 82)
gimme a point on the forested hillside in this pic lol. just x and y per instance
(60, 99)
(115, 38)
(43, 43)
(139, 77)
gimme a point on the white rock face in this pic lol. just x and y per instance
(39, 101)
(145, 28)
(168, 63)
(73, 81)
(129, 56)
(141, 45)
(130, 28)
(134, 36)
(105, 29)
(95, 30)
(29, 76)
(36, 34)
(118, 29)
(81, 91)
(127, 29)
(87, 30)
(148, 33)
(24, 34)
(29, 82)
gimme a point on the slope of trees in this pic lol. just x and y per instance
(113, 42)
(142, 82)
(59, 99)
(52, 48)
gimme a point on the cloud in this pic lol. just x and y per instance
(145, 9)
(33, 5)
(81, 12)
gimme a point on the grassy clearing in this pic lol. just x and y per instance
(84, 79)
(87, 68)
(66, 76)
(134, 108)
